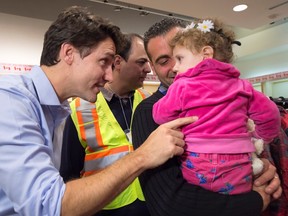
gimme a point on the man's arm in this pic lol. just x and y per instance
(90, 194)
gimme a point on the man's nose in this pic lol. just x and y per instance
(108, 74)
(147, 67)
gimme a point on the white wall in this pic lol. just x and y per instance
(21, 39)
(279, 88)
(263, 53)
(263, 65)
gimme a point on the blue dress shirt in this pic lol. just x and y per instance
(30, 183)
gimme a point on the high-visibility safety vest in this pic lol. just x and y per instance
(104, 141)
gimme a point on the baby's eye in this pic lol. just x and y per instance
(179, 58)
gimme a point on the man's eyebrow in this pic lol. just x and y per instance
(109, 54)
(143, 59)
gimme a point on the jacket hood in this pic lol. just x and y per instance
(211, 67)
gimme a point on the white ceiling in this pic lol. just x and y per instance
(261, 14)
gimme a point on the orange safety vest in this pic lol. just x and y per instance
(104, 141)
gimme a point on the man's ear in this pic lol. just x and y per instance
(117, 61)
(207, 52)
(66, 53)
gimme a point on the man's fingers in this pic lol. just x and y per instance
(271, 178)
(268, 174)
(179, 150)
(177, 123)
(277, 194)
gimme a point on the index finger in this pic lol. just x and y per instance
(177, 123)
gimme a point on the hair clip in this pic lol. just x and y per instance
(205, 26)
(191, 26)
(236, 42)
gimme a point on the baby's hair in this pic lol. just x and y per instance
(220, 38)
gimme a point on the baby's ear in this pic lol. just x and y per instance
(207, 52)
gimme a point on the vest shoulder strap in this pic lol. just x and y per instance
(143, 93)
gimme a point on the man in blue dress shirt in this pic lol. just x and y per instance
(76, 60)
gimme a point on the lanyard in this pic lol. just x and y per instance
(124, 115)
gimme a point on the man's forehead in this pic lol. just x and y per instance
(137, 44)
(106, 46)
(138, 54)
(160, 49)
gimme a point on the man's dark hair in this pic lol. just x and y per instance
(126, 49)
(161, 28)
(80, 28)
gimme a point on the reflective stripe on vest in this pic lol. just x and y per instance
(106, 147)
(88, 128)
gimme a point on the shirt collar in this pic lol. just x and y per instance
(44, 89)
(162, 89)
(108, 94)
(45, 92)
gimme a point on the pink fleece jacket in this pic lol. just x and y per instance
(223, 102)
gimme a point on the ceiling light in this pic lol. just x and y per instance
(240, 7)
